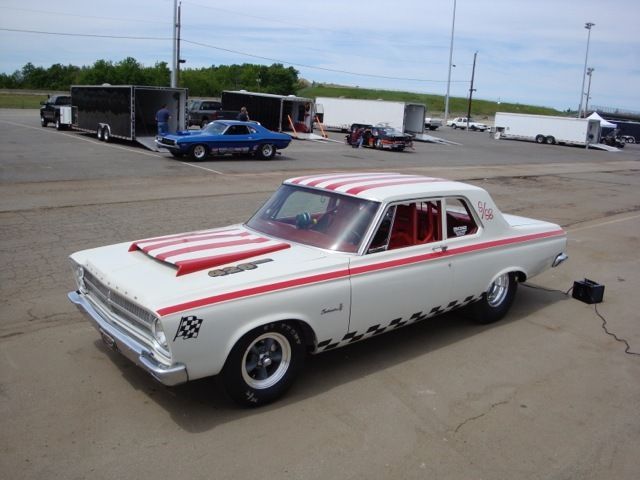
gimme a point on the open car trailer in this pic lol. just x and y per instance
(127, 112)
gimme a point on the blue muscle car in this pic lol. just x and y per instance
(223, 137)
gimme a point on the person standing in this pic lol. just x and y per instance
(243, 116)
(162, 118)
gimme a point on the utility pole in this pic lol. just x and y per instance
(586, 104)
(471, 89)
(178, 27)
(174, 63)
(588, 26)
(446, 101)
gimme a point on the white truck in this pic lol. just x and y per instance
(341, 113)
(547, 129)
(464, 122)
(432, 123)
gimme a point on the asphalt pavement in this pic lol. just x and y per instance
(545, 393)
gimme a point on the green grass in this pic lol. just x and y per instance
(20, 100)
(434, 103)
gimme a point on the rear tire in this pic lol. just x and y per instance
(540, 139)
(454, 126)
(496, 301)
(204, 123)
(99, 134)
(59, 126)
(199, 152)
(106, 134)
(263, 364)
(266, 151)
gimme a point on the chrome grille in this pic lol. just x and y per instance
(124, 309)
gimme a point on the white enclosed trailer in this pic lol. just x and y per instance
(340, 113)
(547, 129)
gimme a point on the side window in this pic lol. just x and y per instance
(237, 130)
(460, 221)
(409, 224)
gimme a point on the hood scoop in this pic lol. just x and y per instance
(196, 251)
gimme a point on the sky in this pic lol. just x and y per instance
(530, 52)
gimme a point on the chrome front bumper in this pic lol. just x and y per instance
(139, 354)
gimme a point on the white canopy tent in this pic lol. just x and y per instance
(603, 123)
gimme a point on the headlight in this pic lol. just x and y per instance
(159, 335)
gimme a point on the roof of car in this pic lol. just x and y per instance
(382, 186)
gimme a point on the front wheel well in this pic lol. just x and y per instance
(521, 277)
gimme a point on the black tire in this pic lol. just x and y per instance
(204, 123)
(43, 122)
(550, 140)
(99, 133)
(199, 152)
(378, 144)
(266, 151)
(473, 127)
(496, 301)
(540, 139)
(432, 128)
(263, 364)
(59, 125)
(106, 134)
(454, 126)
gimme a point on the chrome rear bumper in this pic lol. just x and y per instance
(139, 354)
(560, 258)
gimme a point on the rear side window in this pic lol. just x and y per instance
(460, 221)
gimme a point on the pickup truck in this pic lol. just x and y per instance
(50, 110)
(202, 112)
(432, 123)
(461, 122)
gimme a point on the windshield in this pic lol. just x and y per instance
(317, 218)
(215, 128)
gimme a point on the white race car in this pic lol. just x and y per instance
(327, 261)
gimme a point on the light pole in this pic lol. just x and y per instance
(446, 101)
(586, 103)
(588, 26)
(471, 89)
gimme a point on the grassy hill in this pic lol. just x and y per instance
(434, 103)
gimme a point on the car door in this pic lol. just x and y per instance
(237, 139)
(405, 275)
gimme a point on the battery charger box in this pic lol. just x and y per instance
(588, 291)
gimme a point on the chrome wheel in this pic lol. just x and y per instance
(498, 290)
(266, 361)
(199, 152)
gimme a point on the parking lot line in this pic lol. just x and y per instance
(602, 224)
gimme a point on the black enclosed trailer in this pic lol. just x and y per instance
(273, 111)
(127, 112)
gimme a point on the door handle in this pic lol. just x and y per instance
(440, 248)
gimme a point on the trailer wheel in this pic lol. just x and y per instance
(199, 152)
(550, 140)
(99, 133)
(106, 134)
(43, 122)
(266, 151)
(540, 139)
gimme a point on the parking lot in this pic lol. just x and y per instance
(543, 394)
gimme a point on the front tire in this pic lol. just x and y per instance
(263, 364)
(496, 301)
(43, 122)
(106, 134)
(550, 140)
(266, 151)
(59, 125)
(199, 152)
(540, 139)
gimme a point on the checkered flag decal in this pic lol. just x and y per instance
(189, 327)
